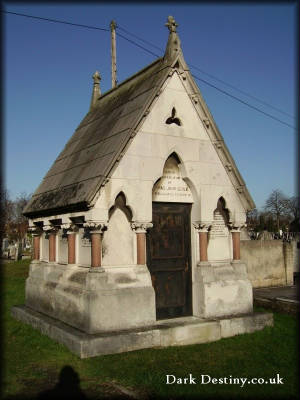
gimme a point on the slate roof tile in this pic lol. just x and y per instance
(92, 151)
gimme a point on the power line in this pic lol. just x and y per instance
(57, 21)
(243, 92)
(80, 25)
(221, 90)
(139, 38)
(156, 55)
(243, 102)
(212, 76)
(136, 44)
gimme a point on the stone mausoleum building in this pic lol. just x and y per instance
(137, 223)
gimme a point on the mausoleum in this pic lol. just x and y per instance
(137, 223)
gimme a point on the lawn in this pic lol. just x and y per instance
(32, 362)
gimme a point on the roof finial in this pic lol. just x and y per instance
(171, 24)
(173, 48)
(96, 88)
(96, 78)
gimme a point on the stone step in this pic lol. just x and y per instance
(175, 332)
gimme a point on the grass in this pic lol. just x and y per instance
(32, 362)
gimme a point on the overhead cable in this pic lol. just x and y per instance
(56, 20)
(212, 76)
(243, 102)
(156, 55)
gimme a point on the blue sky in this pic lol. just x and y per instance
(48, 84)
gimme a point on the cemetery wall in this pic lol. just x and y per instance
(269, 262)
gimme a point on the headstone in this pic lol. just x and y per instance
(12, 251)
(4, 244)
(18, 254)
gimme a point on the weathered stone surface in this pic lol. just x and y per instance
(121, 297)
(245, 324)
(178, 332)
(223, 290)
(269, 262)
(201, 332)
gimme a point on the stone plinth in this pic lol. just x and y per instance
(182, 331)
(222, 290)
(92, 299)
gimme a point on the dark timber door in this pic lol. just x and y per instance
(168, 259)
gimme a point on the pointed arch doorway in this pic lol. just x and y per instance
(169, 243)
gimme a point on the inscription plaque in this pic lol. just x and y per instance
(218, 229)
(171, 187)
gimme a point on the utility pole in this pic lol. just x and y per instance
(113, 26)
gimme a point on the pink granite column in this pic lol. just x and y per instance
(71, 247)
(36, 235)
(203, 246)
(141, 248)
(236, 244)
(96, 230)
(36, 247)
(140, 229)
(96, 249)
(203, 229)
(52, 246)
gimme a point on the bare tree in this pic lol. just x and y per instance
(7, 214)
(14, 223)
(293, 208)
(252, 219)
(276, 204)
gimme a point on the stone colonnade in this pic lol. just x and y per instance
(203, 229)
(96, 230)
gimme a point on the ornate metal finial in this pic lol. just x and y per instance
(96, 77)
(171, 24)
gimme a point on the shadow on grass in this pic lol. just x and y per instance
(68, 386)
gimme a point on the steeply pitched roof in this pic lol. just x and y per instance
(98, 143)
(83, 165)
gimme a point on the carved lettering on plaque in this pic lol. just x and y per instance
(171, 187)
(218, 229)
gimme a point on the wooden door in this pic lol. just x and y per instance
(168, 259)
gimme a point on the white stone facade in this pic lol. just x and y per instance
(119, 294)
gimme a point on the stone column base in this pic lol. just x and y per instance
(222, 290)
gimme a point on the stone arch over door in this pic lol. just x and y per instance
(171, 187)
(169, 243)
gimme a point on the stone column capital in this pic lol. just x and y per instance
(49, 229)
(202, 226)
(35, 230)
(141, 227)
(69, 227)
(95, 226)
(236, 226)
